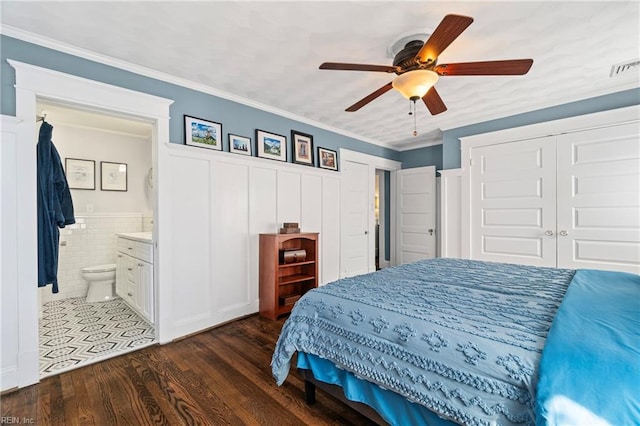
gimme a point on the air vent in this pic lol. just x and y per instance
(625, 68)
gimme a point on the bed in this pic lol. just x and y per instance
(452, 341)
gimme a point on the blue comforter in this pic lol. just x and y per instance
(461, 337)
(590, 366)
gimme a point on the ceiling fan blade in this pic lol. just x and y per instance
(447, 31)
(357, 67)
(507, 67)
(433, 101)
(362, 102)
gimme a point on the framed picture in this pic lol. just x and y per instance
(270, 145)
(327, 159)
(240, 145)
(81, 174)
(113, 176)
(302, 148)
(202, 133)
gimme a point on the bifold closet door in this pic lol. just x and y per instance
(599, 199)
(513, 202)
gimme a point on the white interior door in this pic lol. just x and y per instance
(415, 214)
(513, 202)
(599, 199)
(355, 219)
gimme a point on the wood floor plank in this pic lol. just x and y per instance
(219, 377)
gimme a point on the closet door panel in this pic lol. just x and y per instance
(599, 199)
(513, 202)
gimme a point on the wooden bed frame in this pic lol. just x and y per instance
(311, 383)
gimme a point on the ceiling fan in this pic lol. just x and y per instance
(417, 68)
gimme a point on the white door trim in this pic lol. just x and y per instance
(33, 83)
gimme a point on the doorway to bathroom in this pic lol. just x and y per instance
(107, 160)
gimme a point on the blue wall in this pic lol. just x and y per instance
(236, 118)
(427, 156)
(451, 142)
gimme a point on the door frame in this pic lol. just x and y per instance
(33, 83)
(373, 162)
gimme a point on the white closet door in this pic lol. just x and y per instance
(599, 199)
(513, 202)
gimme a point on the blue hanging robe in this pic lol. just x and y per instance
(55, 207)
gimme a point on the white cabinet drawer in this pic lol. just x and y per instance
(143, 251)
(137, 249)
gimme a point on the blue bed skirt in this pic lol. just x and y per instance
(393, 408)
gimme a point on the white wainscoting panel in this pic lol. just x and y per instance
(231, 243)
(191, 204)
(330, 234)
(289, 196)
(262, 218)
(311, 217)
(8, 255)
(220, 203)
(450, 213)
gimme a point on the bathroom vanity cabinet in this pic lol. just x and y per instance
(134, 272)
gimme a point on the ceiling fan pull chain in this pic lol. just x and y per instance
(415, 131)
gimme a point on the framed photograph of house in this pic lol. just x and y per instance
(302, 148)
(271, 145)
(240, 145)
(113, 176)
(202, 133)
(81, 174)
(327, 159)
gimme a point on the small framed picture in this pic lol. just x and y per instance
(327, 159)
(81, 174)
(113, 176)
(240, 145)
(271, 145)
(202, 133)
(302, 148)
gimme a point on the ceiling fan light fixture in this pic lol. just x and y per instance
(415, 84)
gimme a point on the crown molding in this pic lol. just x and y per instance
(49, 43)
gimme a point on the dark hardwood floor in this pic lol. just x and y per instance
(218, 377)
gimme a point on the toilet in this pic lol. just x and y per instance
(101, 280)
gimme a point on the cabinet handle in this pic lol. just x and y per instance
(130, 294)
(129, 248)
(563, 233)
(119, 255)
(129, 269)
(549, 233)
(140, 264)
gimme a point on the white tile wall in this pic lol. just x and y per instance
(90, 241)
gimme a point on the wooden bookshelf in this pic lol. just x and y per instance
(282, 284)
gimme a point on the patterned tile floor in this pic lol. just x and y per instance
(74, 333)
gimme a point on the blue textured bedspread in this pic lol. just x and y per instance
(461, 337)
(590, 366)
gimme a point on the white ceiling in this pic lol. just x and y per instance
(269, 53)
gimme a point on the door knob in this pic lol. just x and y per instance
(549, 233)
(366, 232)
(563, 233)
(430, 231)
